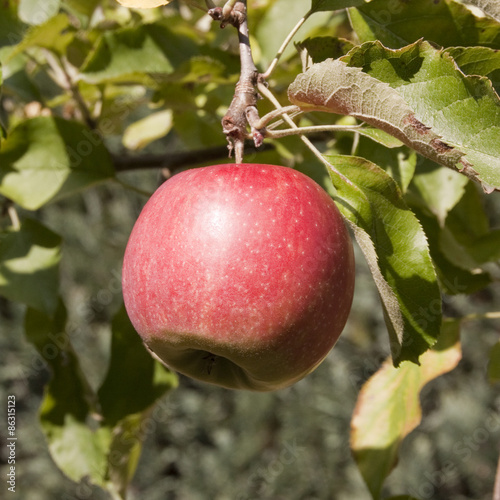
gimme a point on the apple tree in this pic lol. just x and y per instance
(392, 106)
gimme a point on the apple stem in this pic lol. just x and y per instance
(243, 105)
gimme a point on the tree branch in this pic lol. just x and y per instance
(234, 123)
(174, 161)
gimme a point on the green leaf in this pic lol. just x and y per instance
(446, 23)
(319, 48)
(321, 5)
(397, 160)
(489, 7)
(201, 69)
(143, 4)
(452, 278)
(134, 380)
(85, 8)
(29, 265)
(127, 53)
(467, 237)
(105, 451)
(440, 188)
(47, 158)
(416, 94)
(481, 61)
(77, 450)
(55, 34)
(494, 364)
(388, 407)
(36, 12)
(133, 384)
(396, 250)
(11, 28)
(142, 132)
(278, 21)
(380, 136)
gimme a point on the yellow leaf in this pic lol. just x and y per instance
(143, 4)
(388, 407)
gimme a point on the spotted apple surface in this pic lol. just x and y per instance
(240, 275)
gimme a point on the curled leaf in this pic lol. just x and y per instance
(334, 86)
(418, 95)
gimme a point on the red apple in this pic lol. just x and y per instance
(240, 275)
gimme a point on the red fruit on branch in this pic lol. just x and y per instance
(240, 275)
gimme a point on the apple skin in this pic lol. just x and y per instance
(241, 275)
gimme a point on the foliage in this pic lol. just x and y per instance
(401, 100)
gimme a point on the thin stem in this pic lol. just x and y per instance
(14, 217)
(269, 95)
(176, 160)
(133, 188)
(284, 45)
(263, 122)
(276, 134)
(64, 79)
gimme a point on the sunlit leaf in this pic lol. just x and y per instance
(320, 5)
(143, 4)
(29, 265)
(76, 449)
(104, 450)
(317, 49)
(452, 278)
(141, 133)
(55, 34)
(387, 152)
(46, 158)
(482, 61)
(490, 7)
(416, 94)
(127, 53)
(440, 188)
(397, 253)
(388, 407)
(279, 20)
(36, 12)
(445, 22)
